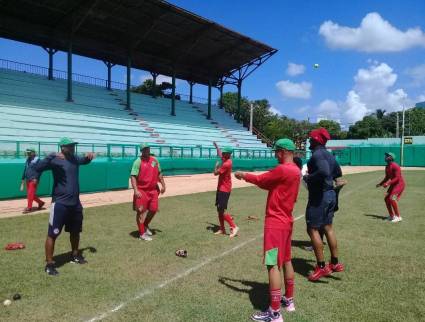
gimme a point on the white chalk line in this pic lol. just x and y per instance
(195, 268)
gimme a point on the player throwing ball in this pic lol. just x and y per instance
(224, 188)
(282, 184)
(394, 180)
(145, 175)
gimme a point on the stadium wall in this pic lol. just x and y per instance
(107, 174)
(414, 155)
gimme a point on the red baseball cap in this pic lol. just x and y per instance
(320, 135)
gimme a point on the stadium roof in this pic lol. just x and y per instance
(159, 36)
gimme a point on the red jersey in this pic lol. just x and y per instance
(147, 173)
(393, 175)
(225, 176)
(283, 184)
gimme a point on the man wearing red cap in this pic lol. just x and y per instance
(322, 171)
(394, 180)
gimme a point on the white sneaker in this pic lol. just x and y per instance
(234, 232)
(288, 304)
(396, 219)
(148, 232)
(145, 237)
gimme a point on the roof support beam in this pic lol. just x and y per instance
(69, 73)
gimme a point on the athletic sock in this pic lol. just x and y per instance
(221, 220)
(395, 207)
(321, 264)
(334, 260)
(229, 220)
(141, 228)
(275, 296)
(289, 288)
(389, 207)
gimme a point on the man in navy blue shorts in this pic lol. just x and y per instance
(66, 209)
(322, 170)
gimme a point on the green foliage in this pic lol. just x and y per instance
(159, 90)
(333, 127)
(271, 125)
(381, 124)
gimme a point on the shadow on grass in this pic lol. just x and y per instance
(303, 267)
(212, 227)
(64, 258)
(375, 216)
(135, 233)
(258, 292)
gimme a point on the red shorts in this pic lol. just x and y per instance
(395, 192)
(148, 201)
(277, 246)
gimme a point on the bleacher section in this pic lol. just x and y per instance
(33, 108)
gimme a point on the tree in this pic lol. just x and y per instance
(147, 88)
(368, 127)
(333, 128)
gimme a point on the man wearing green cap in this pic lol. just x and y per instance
(282, 184)
(145, 175)
(66, 209)
(224, 188)
(395, 181)
(31, 177)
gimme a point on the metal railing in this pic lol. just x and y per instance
(82, 79)
(16, 149)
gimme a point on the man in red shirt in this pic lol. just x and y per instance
(224, 187)
(394, 180)
(282, 184)
(145, 175)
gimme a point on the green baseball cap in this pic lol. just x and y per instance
(227, 149)
(144, 146)
(284, 144)
(30, 150)
(67, 141)
(392, 155)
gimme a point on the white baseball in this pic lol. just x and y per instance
(7, 302)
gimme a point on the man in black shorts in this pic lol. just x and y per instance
(322, 170)
(224, 188)
(66, 209)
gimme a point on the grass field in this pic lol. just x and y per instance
(222, 279)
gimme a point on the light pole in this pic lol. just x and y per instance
(402, 140)
(251, 108)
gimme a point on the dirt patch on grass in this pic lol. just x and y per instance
(176, 185)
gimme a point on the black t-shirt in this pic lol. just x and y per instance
(66, 187)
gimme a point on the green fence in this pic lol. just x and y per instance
(414, 155)
(16, 149)
(108, 173)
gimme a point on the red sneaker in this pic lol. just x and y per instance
(319, 273)
(339, 267)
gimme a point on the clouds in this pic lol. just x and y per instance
(290, 89)
(274, 110)
(373, 35)
(372, 89)
(295, 69)
(159, 79)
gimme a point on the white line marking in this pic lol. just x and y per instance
(195, 268)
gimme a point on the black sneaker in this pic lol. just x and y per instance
(50, 269)
(79, 259)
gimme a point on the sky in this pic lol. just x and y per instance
(370, 54)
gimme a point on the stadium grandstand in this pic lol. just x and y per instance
(38, 105)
